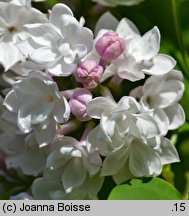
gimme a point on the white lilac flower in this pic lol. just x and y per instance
(38, 106)
(12, 30)
(117, 120)
(159, 96)
(141, 52)
(22, 151)
(114, 3)
(135, 152)
(135, 158)
(50, 188)
(58, 45)
(72, 162)
(129, 140)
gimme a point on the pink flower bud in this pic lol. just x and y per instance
(110, 46)
(78, 103)
(88, 73)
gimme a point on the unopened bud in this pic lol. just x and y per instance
(110, 46)
(88, 73)
(78, 102)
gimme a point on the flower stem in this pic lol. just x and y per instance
(175, 10)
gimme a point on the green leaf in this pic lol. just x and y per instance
(184, 128)
(146, 189)
(52, 2)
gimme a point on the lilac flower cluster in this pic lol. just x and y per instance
(64, 82)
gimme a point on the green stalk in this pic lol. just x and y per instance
(175, 10)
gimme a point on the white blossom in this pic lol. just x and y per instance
(141, 54)
(159, 96)
(121, 118)
(58, 45)
(22, 151)
(49, 188)
(72, 161)
(137, 159)
(38, 105)
(12, 30)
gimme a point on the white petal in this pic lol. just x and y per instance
(162, 93)
(106, 21)
(43, 189)
(57, 11)
(128, 68)
(56, 160)
(123, 174)
(127, 28)
(143, 126)
(68, 25)
(95, 142)
(107, 126)
(31, 161)
(114, 161)
(24, 123)
(43, 33)
(9, 54)
(11, 102)
(92, 186)
(144, 161)
(43, 55)
(97, 106)
(147, 47)
(61, 69)
(45, 135)
(128, 104)
(162, 64)
(61, 110)
(94, 163)
(161, 119)
(109, 71)
(86, 38)
(176, 116)
(74, 174)
(174, 75)
(168, 152)
(170, 93)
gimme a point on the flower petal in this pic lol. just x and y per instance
(45, 135)
(57, 11)
(176, 116)
(97, 106)
(43, 33)
(95, 142)
(143, 160)
(168, 152)
(11, 102)
(74, 174)
(123, 174)
(161, 119)
(127, 28)
(106, 21)
(43, 55)
(162, 64)
(147, 47)
(114, 161)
